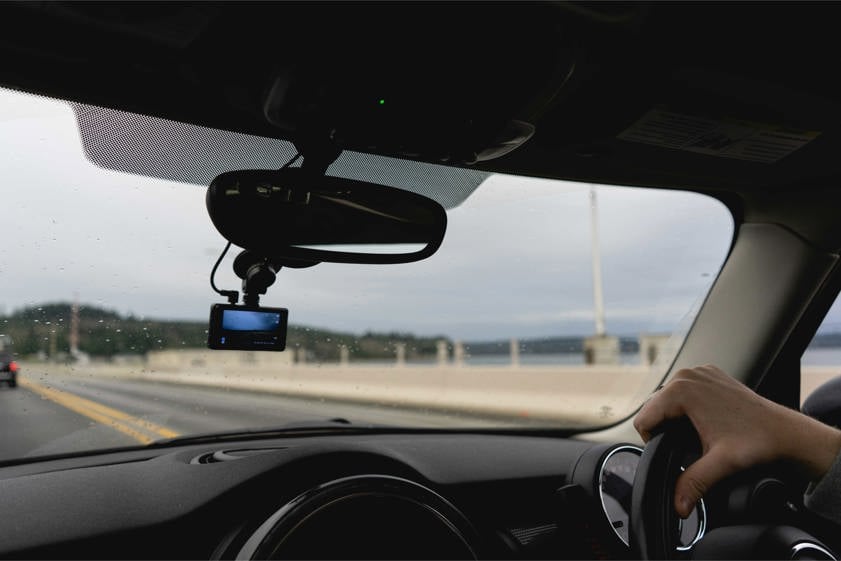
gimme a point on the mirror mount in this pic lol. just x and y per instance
(318, 151)
(258, 273)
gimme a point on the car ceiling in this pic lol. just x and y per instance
(455, 76)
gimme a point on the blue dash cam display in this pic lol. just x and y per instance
(246, 328)
(250, 320)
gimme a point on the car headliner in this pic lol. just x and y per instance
(580, 73)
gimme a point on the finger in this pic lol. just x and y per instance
(699, 477)
(662, 406)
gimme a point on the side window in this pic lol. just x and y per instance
(821, 362)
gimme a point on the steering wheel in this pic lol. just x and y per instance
(654, 525)
(655, 528)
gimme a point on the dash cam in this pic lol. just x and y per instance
(247, 328)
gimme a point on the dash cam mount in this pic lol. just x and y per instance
(258, 273)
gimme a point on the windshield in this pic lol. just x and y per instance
(549, 304)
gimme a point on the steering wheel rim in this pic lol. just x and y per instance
(654, 524)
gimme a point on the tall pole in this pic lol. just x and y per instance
(598, 298)
(74, 326)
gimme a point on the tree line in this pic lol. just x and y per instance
(45, 330)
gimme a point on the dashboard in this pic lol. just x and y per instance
(358, 495)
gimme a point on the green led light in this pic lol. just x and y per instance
(381, 102)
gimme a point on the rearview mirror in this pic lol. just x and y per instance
(296, 215)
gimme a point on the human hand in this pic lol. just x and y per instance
(738, 429)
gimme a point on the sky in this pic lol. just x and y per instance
(516, 260)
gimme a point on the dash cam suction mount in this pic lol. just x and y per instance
(259, 273)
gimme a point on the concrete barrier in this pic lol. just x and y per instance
(575, 395)
(201, 359)
(583, 395)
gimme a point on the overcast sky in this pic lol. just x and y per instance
(516, 260)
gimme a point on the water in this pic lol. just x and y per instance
(526, 359)
(822, 356)
(818, 356)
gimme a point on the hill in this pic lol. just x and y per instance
(104, 333)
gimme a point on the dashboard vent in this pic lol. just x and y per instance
(526, 536)
(231, 455)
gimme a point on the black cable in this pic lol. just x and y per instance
(292, 161)
(231, 295)
(216, 266)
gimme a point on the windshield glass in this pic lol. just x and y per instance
(549, 304)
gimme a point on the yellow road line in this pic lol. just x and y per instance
(140, 429)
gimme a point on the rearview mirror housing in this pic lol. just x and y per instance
(293, 214)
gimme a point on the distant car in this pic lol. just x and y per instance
(8, 370)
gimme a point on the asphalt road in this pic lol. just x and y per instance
(55, 414)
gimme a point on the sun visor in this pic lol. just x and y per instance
(155, 147)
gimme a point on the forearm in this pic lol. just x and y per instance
(816, 449)
(808, 443)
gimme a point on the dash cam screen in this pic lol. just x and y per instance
(249, 320)
(240, 328)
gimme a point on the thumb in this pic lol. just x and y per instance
(697, 479)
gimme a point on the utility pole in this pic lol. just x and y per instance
(74, 327)
(599, 348)
(53, 349)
